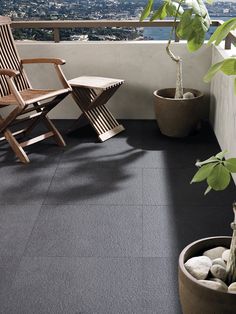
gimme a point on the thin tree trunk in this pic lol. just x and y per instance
(179, 75)
(231, 264)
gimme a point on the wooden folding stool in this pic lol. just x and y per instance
(91, 94)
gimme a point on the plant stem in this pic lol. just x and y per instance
(177, 59)
(231, 264)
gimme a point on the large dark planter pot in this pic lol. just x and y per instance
(196, 298)
(177, 117)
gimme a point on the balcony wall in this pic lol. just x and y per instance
(144, 66)
(223, 105)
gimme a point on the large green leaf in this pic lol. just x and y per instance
(174, 9)
(168, 8)
(161, 13)
(222, 31)
(203, 173)
(194, 4)
(147, 10)
(206, 23)
(219, 178)
(184, 29)
(230, 164)
(196, 39)
(212, 71)
(192, 26)
(227, 66)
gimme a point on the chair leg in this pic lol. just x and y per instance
(57, 136)
(18, 150)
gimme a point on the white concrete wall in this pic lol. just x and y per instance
(144, 66)
(223, 105)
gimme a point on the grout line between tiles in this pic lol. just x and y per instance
(102, 257)
(33, 227)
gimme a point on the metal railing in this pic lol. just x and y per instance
(57, 25)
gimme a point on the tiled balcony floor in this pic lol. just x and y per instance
(97, 227)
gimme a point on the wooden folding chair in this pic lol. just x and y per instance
(16, 93)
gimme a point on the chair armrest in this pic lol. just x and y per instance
(9, 72)
(56, 61)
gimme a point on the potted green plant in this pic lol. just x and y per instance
(199, 292)
(177, 109)
(200, 296)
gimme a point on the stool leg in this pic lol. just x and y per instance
(92, 103)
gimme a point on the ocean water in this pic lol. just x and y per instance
(162, 33)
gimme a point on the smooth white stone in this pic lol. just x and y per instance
(232, 288)
(213, 285)
(219, 261)
(219, 272)
(220, 281)
(225, 255)
(215, 252)
(188, 95)
(199, 266)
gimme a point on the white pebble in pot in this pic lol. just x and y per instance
(225, 255)
(219, 272)
(232, 287)
(219, 261)
(215, 253)
(213, 285)
(220, 281)
(198, 266)
(188, 95)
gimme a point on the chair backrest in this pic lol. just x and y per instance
(9, 58)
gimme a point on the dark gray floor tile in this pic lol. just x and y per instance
(16, 223)
(8, 268)
(133, 130)
(45, 153)
(116, 186)
(152, 139)
(26, 184)
(160, 288)
(98, 231)
(76, 285)
(159, 232)
(168, 229)
(115, 152)
(171, 158)
(108, 175)
(172, 186)
(160, 151)
(140, 145)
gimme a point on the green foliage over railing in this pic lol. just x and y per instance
(194, 20)
(227, 66)
(222, 31)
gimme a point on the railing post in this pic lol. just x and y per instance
(56, 35)
(228, 42)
